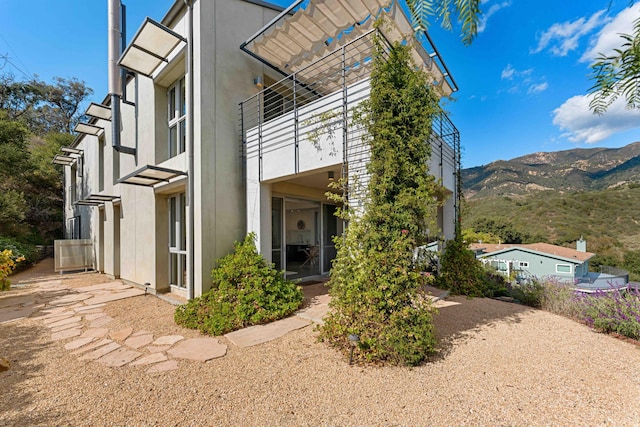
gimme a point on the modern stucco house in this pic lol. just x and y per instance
(544, 260)
(232, 116)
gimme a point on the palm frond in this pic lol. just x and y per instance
(617, 75)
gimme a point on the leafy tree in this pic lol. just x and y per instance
(469, 235)
(618, 74)
(631, 263)
(36, 119)
(60, 113)
(504, 231)
(19, 99)
(43, 107)
(14, 161)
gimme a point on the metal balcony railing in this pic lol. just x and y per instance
(283, 114)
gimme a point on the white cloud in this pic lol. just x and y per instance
(537, 88)
(609, 37)
(561, 38)
(579, 124)
(482, 25)
(508, 72)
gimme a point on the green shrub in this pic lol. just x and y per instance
(8, 263)
(529, 292)
(460, 271)
(495, 284)
(614, 311)
(560, 298)
(246, 291)
(29, 252)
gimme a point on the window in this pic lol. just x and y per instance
(523, 264)
(101, 163)
(563, 268)
(177, 113)
(73, 185)
(178, 241)
(74, 230)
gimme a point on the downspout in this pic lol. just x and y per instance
(115, 77)
(190, 144)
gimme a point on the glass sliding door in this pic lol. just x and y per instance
(302, 237)
(330, 229)
(178, 241)
(277, 237)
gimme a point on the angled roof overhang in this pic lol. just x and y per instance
(149, 175)
(149, 48)
(71, 151)
(88, 129)
(60, 159)
(96, 200)
(299, 37)
(99, 111)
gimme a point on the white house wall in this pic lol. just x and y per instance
(131, 235)
(278, 151)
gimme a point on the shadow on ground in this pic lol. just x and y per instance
(457, 323)
(21, 344)
(312, 292)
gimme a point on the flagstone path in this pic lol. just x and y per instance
(77, 317)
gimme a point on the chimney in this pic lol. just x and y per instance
(581, 245)
(115, 82)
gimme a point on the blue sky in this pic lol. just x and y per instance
(523, 81)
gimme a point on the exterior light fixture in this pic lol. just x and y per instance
(258, 81)
(353, 340)
(330, 175)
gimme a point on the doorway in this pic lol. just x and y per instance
(302, 236)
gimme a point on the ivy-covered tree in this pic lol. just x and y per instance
(376, 292)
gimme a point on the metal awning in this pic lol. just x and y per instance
(150, 47)
(60, 159)
(299, 37)
(96, 200)
(148, 176)
(71, 151)
(98, 111)
(87, 128)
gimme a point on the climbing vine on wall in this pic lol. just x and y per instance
(376, 292)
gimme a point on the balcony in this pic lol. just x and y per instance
(304, 122)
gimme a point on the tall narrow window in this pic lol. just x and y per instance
(101, 163)
(177, 113)
(178, 241)
(73, 185)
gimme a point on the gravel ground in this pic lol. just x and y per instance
(500, 364)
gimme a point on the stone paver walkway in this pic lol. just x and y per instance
(76, 317)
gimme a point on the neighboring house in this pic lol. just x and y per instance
(543, 260)
(169, 191)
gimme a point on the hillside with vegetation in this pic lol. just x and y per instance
(567, 171)
(559, 197)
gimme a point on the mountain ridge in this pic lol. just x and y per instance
(579, 169)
